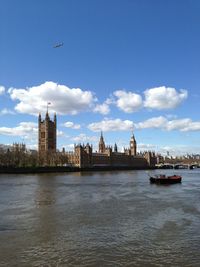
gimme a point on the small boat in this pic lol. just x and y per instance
(163, 179)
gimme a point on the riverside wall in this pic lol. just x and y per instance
(57, 169)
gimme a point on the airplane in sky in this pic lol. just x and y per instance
(58, 45)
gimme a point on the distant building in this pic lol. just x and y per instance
(115, 148)
(83, 155)
(46, 135)
(18, 147)
(159, 159)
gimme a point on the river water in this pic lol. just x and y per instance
(99, 219)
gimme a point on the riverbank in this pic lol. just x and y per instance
(51, 169)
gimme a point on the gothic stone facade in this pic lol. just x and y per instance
(83, 155)
(46, 135)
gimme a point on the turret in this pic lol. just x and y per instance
(115, 148)
(88, 149)
(47, 116)
(39, 118)
(102, 146)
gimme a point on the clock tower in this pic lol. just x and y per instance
(133, 146)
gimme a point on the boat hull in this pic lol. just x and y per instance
(166, 180)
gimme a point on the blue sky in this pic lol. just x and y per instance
(124, 65)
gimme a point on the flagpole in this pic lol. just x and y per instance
(48, 103)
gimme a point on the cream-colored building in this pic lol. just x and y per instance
(83, 155)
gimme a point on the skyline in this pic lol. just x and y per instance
(123, 66)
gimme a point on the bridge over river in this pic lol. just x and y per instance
(193, 165)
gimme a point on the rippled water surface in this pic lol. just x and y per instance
(99, 219)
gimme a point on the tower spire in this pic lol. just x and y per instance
(39, 117)
(132, 133)
(102, 146)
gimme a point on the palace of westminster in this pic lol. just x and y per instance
(83, 155)
(17, 155)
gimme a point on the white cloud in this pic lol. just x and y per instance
(6, 111)
(110, 100)
(102, 108)
(2, 90)
(64, 100)
(111, 125)
(68, 147)
(156, 122)
(84, 138)
(163, 123)
(60, 133)
(155, 98)
(127, 101)
(164, 97)
(145, 147)
(179, 150)
(32, 146)
(70, 124)
(191, 126)
(160, 122)
(176, 150)
(178, 124)
(183, 125)
(26, 130)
